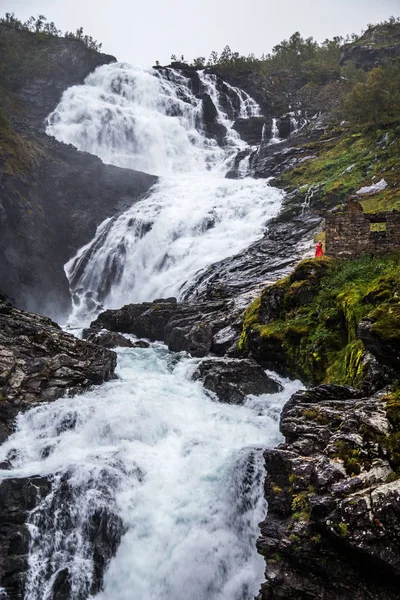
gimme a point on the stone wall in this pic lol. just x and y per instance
(351, 233)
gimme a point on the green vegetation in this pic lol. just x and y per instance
(306, 67)
(377, 100)
(322, 303)
(43, 29)
(342, 529)
(346, 161)
(350, 456)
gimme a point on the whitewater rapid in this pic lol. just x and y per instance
(182, 471)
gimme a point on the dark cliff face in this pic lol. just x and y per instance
(52, 196)
(35, 70)
(48, 214)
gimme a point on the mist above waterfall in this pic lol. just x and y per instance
(178, 126)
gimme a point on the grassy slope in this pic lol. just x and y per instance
(323, 302)
(343, 161)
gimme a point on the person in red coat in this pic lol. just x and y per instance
(319, 250)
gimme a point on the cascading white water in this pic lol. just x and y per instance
(181, 471)
(149, 456)
(153, 121)
(275, 139)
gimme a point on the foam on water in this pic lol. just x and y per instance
(152, 120)
(181, 470)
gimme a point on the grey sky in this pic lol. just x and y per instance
(144, 31)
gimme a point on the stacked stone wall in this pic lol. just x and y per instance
(352, 233)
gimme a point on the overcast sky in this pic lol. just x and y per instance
(143, 31)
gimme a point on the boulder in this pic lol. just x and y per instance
(250, 129)
(233, 379)
(39, 362)
(109, 339)
(188, 326)
(17, 498)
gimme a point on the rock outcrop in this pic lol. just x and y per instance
(40, 68)
(333, 491)
(39, 363)
(233, 379)
(377, 45)
(196, 327)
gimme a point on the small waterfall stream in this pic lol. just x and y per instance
(149, 464)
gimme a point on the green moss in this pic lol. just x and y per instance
(276, 489)
(322, 303)
(347, 365)
(387, 322)
(350, 457)
(250, 319)
(311, 414)
(341, 529)
(394, 476)
(301, 506)
(316, 539)
(345, 162)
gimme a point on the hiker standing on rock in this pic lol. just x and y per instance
(319, 250)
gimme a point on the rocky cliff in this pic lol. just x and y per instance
(48, 189)
(378, 44)
(333, 492)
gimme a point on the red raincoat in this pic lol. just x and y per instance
(319, 250)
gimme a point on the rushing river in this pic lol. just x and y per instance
(151, 457)
(183, 472)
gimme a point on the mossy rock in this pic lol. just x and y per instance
(307, 324)
(386, 326)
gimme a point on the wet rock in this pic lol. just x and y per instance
(250, 129)
(284, 126)
(266, 260)
(211, 125)
(17, 498)
(182, 326)
(39, 363)
(332, 529)
(109, 339)
(97, 523)
(141, 344)
(234, 379)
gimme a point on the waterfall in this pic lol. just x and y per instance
(178, 126)
(150, 458)
(275, 139)
(150, 474)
